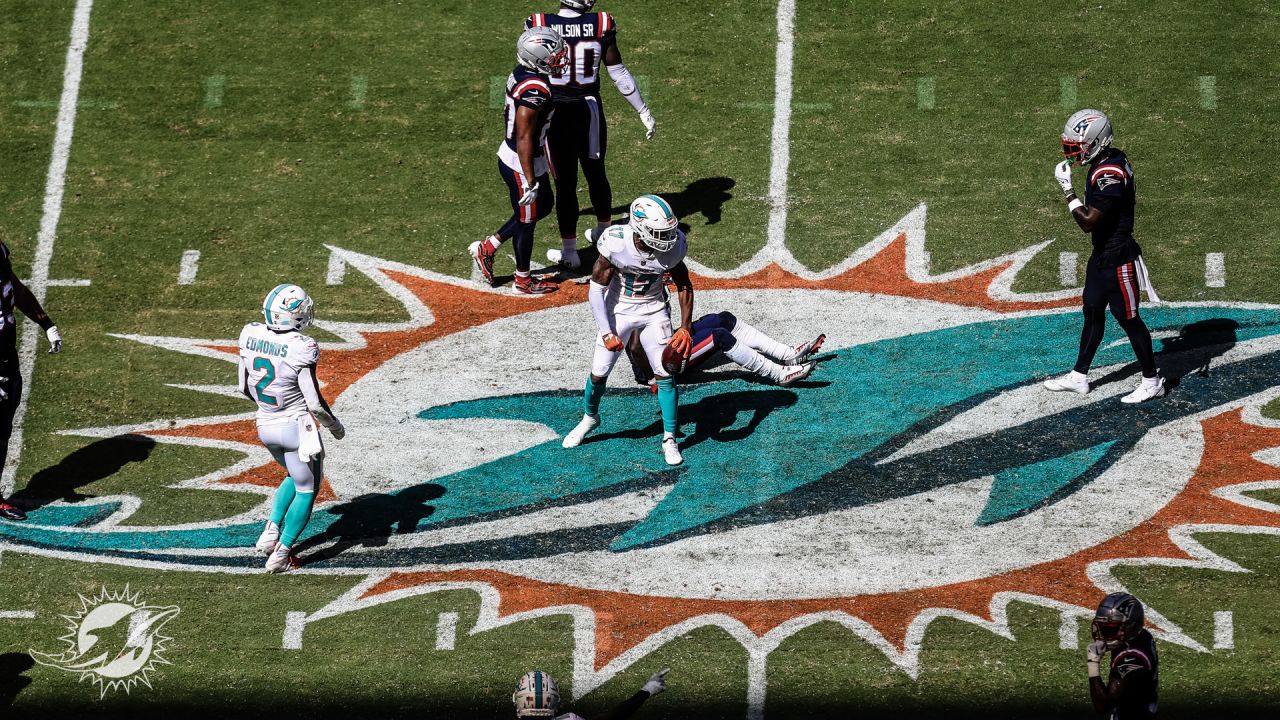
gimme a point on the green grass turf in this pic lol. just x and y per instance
(284, 165)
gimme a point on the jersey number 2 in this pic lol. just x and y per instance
(268, 377)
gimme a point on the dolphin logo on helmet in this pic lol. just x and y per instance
(287, 307)
(655, 222)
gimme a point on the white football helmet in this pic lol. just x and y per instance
(542, 50)
(536, 695)
(1087, 133)
(654, 221)
(288, 307)
(579, 5)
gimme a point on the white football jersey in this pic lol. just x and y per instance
(637, 287)
(273, 361)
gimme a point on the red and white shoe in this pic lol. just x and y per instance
(9, 512)
(792, 374)
(804, 351)
(530, 285)
(483, 252)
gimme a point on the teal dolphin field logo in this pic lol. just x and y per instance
(920, 472)
(115, 641)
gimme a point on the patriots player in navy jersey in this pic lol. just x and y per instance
(1132, 689)
(578, 135)
(537, 696)
(521, 160)
(723, 332)
(1115, 274)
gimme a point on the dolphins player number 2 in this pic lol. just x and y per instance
(268, 377)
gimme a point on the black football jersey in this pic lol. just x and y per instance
(588, 36)
(1138, 666)
(1110, 189)
(8, 327)
(525, 88)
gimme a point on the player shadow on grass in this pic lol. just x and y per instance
(12, 680)
(713, 418)
(1191, 351)
(369, 520)
(96, 461)
(704, 197)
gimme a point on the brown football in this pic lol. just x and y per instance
(673, 361)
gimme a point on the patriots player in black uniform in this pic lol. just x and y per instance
(578, 135)
(1115, 274)
(521, 160)
(1132, 688)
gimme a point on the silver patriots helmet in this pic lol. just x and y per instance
(542, 50)
(1119, 619)
(1086, 134)
(579, 5)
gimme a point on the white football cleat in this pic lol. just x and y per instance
(1146, 390)
(269, 538)
(804, 351)
(671, 451)
(592, 235)
(568, 260)
(282, 560)
(792, 374)
(1072, 382)
(584, 426)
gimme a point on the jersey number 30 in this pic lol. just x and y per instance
(268, 377)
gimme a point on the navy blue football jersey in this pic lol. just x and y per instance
(588, 36)
(1110, 189)
(1138, 666)
(526, 88)
(8, 327)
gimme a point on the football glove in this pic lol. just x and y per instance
(55, 339)
(681, 342)
(1062, 173)
(529, 195)
(650, 125)
(4, 394)
(657, 683)
(612, 342)
(337, 429)
(1093, 657)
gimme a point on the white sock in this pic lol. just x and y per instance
(751, 360)
(493, 242)
(666, 435)
(1151, 381)
(765, 344)
(524, 274)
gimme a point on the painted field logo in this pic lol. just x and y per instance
(921, 472)
(113, 641)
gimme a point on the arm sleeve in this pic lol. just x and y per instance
(595, 295)
(315, 401)
(626, 84)
(628, 707)
(242, 377)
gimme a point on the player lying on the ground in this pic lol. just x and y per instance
(1115, 274)
(1133, 687)
(278, 372)
(723, 332)
(521, 160)
(579, 134)
(536, 695)
(628, 297)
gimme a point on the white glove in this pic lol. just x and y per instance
(657, 683)
(4, 394)
(337, 429)
(650, 125)
(529, 195)
(1062, 173)
(55, 339)
(1093, 657)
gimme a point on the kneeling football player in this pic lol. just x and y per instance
(723, 332)
(277, 370)
(536, 695)
(627, 297)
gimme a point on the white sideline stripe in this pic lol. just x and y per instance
(69, 282)
(1068, 269)
(795, 107)
(189, 266)
(781, 159)
(337, 270)
(1224, 631)
(359, 91)
(1069, 632)
(295, 621)
(1215, 270)
(17, 615)
(1067, 89)
(925, 93)
(447, 631)
(1208, 92)
(213, 90)
(54, 187)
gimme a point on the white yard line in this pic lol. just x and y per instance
(1224, 633)
(189, 266)
(781, 161)
(1215, 270)
(1208, 92)
(54, 185)
(1068, 269)
(447, 631)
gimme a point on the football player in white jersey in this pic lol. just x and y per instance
(536, 695)
(278, 372)
(627, 296)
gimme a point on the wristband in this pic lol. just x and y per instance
(1094, 672)
(1074, 203)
